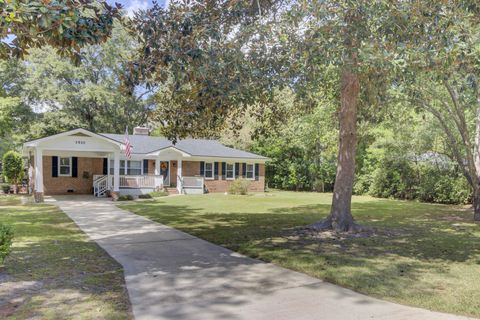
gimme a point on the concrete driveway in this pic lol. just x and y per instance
(173, 275)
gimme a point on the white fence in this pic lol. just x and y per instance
(136, 182)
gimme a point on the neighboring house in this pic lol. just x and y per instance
(83, 162)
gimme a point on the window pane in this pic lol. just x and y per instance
(249, 171)
(64, 170)
(135, 164)
(230, 170)
(64, 161)
(209, 170)
(135, 172)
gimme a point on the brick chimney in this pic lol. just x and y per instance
(141, 131)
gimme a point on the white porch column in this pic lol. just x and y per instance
(157, 167)
(116, 171)
(38, 170)
(179, 176)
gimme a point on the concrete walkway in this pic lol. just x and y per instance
(173, 275)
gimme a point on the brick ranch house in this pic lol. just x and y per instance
(83, 162)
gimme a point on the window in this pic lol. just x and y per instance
(230, 171)
(250, 171)
(209, 170)
(64, 166)
(133, 167)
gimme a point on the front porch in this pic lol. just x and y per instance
(142, 184)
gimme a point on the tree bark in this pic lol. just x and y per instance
(476, 155)
(476, 203)
(340, 218)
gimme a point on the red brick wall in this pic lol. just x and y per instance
(192, 168)
(80, 185)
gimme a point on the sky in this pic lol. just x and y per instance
(133, 5)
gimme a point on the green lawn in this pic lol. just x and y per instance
(54, 271)
(424, 255)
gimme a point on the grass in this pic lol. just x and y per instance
(55, 271)
(424, 255)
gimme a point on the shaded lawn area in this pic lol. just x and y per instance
(55, 271)
(424, 255)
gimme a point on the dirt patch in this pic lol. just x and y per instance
(330, 235)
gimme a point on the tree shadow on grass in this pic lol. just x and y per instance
(54, 271)
(390, 265)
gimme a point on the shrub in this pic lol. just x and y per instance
(125, 197)
(13, 168)
(145, 196)
(239, 186)
(6, 236)
(158, 194)
(5, 188)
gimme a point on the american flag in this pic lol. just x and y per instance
(128, 146)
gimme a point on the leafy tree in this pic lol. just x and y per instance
(65, 25)
(217, 59)
(13, 168)
(443, 80)
(15, 114)
(100, 94)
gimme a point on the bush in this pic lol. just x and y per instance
(158, 194)
(6, 236)
(144, 196)
(5, 188)
(126, 197)
(13, 168)
(239, 186)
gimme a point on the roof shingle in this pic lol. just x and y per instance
(195, 147)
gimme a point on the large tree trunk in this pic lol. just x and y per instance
(476, 155)
(476, 204)
(340, 218)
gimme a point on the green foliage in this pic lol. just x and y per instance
(6, 238)
(5, 187)
(15, 114)
(125, 197)
(66, 25)
(145, 196)
(302, 147)
(195, 52)
(158, 194)
(103, 87)
(399, 163)
(13, 167)
(239, 186)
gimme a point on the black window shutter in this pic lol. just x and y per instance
(237, 169)
(257, 171)
(105, 166)
(54, 166)
(202, 168)
(145, 166)
(74, 167)
(215, 170)
(244, 169)
(224, 170)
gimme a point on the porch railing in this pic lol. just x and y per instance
(154, 182)
(193, 182)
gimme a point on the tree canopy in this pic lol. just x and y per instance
(64, 25)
